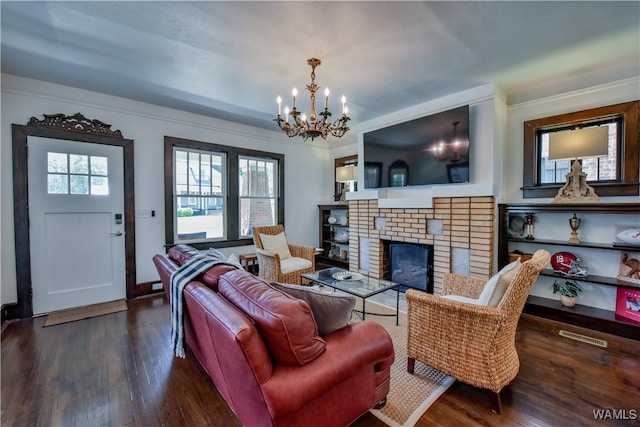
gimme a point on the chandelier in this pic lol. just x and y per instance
(315, 126)
(449, 152)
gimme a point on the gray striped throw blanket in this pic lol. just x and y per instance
(179, 279)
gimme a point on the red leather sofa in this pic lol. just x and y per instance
(262, 350)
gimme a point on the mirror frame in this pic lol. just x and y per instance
(74, 128)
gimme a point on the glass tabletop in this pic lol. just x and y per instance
(364, 287)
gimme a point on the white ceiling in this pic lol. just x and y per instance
(231, 59)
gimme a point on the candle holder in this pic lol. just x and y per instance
(528, 226)
(574, 223)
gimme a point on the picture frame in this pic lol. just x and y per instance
(628, 303)
(372, 174)
(629, 270)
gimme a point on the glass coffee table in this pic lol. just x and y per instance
(356, 284)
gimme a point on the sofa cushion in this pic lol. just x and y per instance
(332, 310)
(285, 323)
(212, 276)
(276, 244)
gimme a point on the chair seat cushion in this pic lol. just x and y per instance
(285, 323)
(276, 244)
(332, 310)
(291, 264)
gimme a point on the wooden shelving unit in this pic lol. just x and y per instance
(327, 236)
(579, 315)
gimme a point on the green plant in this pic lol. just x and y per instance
(184, 212)
(569, 288)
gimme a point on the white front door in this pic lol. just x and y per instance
(76, 217)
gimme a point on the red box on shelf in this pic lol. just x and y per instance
(628, 303)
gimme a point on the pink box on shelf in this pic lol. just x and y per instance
(628, 303)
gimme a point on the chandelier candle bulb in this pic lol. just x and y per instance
(279, 101)
(286, 114)
(294, 92)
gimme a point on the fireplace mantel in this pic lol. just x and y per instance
(419, 197)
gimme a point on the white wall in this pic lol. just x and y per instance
(305, 163)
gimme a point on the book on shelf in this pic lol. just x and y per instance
(628, 303)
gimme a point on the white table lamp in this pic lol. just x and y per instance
(575, 145)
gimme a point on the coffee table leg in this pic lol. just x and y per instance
(397, 306)
(364, 308)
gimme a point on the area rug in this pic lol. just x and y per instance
(410, 395)
(95, 310)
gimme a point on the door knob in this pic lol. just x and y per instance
(117, 233)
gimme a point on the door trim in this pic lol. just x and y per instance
(75, 128)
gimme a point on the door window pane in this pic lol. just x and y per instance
(57, 184)
(78, 164)
(57, 162)
(70, 174)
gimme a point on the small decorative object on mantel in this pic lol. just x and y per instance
(528, 226)
(574, 223)
(568, 290)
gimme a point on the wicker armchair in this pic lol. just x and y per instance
(472, 343)
(270, 265)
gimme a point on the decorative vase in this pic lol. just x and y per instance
(567, 301)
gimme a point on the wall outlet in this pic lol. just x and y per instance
(143, 213)
(156, 286)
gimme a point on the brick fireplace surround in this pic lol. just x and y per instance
(465, 223)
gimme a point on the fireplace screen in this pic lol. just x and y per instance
(411, 265)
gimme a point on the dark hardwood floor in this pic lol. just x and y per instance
(118, 370)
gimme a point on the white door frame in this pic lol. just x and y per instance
(76, 128)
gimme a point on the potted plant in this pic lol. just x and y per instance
(568, 290)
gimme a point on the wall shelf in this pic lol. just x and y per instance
(579, 315)
(326, 234)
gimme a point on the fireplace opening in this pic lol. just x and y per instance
(411, 265)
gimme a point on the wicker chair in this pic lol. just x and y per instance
(472, 343)
(270, 264)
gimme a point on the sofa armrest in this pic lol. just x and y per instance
(165, 267)
(349, 350)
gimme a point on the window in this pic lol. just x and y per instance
(257, 182)
(216, 194)
(615, 175)
(77, 174)
(597, 169)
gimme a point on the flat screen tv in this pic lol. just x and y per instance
(429, 150)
